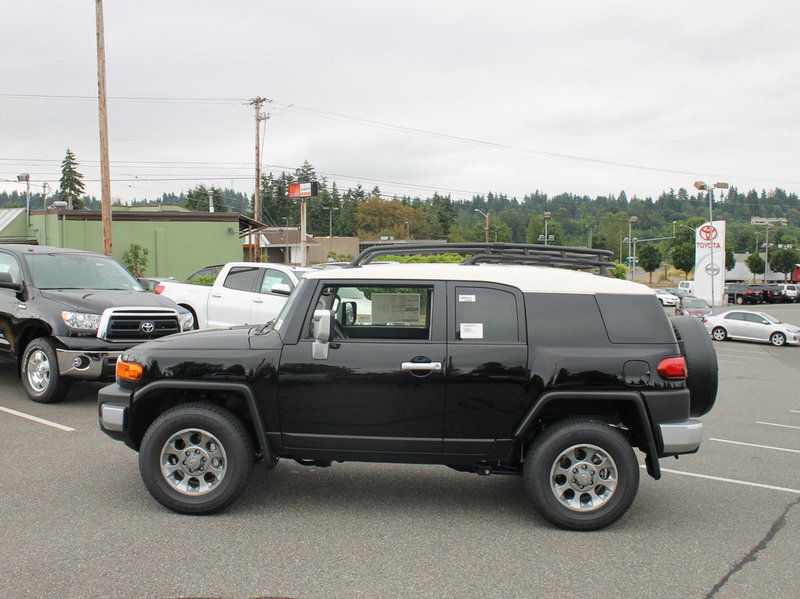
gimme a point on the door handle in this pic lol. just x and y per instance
(427, 366)
(257, 300)
(216, 295)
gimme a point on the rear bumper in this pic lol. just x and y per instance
(681, 437)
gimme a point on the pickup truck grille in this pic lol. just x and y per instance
(137, 324)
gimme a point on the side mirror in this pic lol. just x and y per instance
(322, 330)
(281, 289)
(349, 313)
(6, 282)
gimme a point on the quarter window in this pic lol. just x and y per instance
(486, 315)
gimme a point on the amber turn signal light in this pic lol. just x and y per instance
(129, 370)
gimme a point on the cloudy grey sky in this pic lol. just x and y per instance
(590, 97)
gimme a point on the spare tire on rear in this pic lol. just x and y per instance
(701, 362)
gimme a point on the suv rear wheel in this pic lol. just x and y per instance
(581, 474)
(196, 458)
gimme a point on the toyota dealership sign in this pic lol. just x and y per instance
(709, 261)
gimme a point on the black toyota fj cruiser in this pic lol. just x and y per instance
(501, 364)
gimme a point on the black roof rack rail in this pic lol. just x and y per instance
(575, 258)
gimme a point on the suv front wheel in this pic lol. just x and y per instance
(196, 458)
(41, 379)
(581, 474)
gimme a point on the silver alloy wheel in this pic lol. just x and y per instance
(193, 462)
(37, 370)
(777, 339)
(583, 478)
(719, 334)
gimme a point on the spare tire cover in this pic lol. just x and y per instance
(701, 362)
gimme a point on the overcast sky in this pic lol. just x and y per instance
(463, 97)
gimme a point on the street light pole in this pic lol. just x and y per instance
(631, 220)
(330, 210)
(546, 218)
(486, 228)
(408, 229)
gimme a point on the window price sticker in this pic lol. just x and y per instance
(471, 330)
(467, 299)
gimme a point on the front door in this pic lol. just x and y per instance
(382, 385)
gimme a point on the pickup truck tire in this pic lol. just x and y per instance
(196, 458)
(581, 474)
(39, 371)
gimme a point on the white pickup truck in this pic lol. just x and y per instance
(243, 293)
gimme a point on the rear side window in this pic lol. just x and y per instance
(486, 315)
(242, 278)
(634, 319)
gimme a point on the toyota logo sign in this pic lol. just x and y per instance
(707, 232)
(147, 327)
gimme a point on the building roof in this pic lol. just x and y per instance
(529, 279)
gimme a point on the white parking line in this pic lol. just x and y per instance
(754, 445)
(795, 411)
(734, 481)
(60, 427)
(780, 425)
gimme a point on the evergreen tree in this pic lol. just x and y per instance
(197, 199)
(71, 183)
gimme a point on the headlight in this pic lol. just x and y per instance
(187, 321)
(81, 321)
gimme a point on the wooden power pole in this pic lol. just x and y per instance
(105, 171)
(256, 103)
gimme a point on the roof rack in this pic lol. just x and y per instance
(575, 258)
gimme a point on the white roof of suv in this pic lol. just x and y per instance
(528, 279)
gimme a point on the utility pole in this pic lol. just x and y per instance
(105, 171)
(256, 103)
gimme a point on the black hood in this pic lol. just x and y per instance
(95, 301)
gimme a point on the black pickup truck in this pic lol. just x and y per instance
(496, 365)
(66, 315)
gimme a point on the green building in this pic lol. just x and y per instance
(179, 241)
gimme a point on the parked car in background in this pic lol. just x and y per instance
(790, 291)
(743, 293)
(687, 286)
(243, 293)
(208, 271)
(751, 326)
(676, 291)
(666, 298)
(692, 306)
(67, 315)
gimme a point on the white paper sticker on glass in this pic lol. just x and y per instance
(396, 309)
(470, 299)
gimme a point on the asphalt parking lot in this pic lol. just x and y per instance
(724, 523)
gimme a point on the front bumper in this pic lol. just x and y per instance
(113, 409)
(681, 437)
(89, 365)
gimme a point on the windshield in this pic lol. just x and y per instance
(695, 303)
(288, 305)
(79, 271)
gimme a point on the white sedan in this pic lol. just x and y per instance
(751, 326)
(666, 298)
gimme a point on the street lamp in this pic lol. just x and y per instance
(631, 220)
(330, 210)
(701, 186)
(546, 218)
(27, 178)
(485, 228)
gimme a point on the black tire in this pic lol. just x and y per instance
(219, 453)
(590, 449)
(777, 339)
(41, 379)
(701, 362)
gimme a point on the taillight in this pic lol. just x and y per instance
(673, 368)
(159, 288)
(130, 371)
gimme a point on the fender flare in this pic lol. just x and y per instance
(653, 468)
(237, 388)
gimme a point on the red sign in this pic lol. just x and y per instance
(707, 232)
(303, 190)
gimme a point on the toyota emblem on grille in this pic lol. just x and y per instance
(147, 327)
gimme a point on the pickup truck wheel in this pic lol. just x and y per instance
(777, 339)
(196, 458)
(39, 371)
(581, 474)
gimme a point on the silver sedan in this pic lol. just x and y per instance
(751, 326)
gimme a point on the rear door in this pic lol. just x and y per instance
(229, 303)
(487, 364)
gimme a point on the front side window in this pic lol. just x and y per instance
(380, 311)
(9, 264)
(273, 277)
